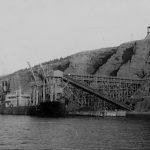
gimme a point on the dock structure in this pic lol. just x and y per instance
(90, 92)
(82, 92)
(100, 92)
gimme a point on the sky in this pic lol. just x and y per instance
(42, 30)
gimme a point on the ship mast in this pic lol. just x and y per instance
(44, 84)
(36, 85)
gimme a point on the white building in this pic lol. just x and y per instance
(17, 99)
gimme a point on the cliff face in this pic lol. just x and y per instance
(130, 59)
(89, 62)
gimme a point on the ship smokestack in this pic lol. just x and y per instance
(148, 30)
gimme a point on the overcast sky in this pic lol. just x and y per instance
(41, 30)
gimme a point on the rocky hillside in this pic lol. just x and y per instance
(130, 59)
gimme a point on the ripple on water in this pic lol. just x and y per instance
(22, 132)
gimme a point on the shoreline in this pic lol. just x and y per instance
(138, 114)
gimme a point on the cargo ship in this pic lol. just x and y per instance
(21, 104)
(45, 99)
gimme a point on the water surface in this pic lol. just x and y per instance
(25, 133)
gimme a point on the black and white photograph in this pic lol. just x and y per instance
(74, 74)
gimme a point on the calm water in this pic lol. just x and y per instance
(23, 132)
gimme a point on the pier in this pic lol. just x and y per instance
(88, 93)
(83, 94)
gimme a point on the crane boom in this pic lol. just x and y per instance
(32, 72)
(44, 73)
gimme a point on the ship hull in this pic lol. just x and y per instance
(44, 109)
(19, 110)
